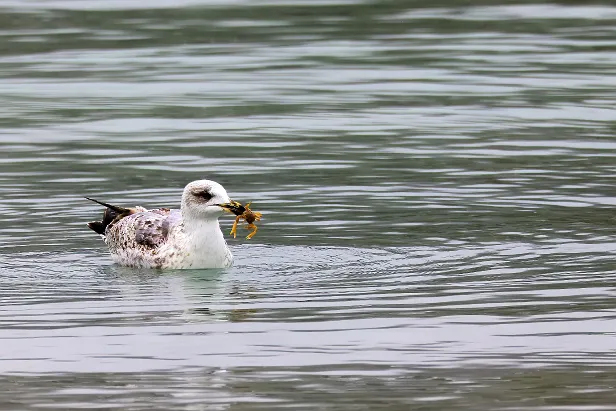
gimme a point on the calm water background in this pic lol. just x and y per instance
(437, 180)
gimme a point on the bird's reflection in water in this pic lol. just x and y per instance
(196, 295)
(220, 295)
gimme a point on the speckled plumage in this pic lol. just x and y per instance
(164, 238)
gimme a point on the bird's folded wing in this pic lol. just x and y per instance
(149, 229)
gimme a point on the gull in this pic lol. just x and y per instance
(164, 238)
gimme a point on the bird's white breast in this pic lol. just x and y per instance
(200, 246)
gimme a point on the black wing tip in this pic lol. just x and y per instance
(110, 214)
(98, 227)
(112, 207)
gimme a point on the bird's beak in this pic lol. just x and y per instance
(233, 207)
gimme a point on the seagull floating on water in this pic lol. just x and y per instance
(165, 238)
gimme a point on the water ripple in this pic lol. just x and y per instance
(436, 183)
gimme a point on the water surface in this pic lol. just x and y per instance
(437, 187)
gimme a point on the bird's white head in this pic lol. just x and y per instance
(201, 200)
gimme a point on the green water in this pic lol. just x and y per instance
(437, 183)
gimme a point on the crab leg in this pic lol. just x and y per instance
(234, 228)
(254, 231)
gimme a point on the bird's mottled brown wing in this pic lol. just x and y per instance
(142, 231)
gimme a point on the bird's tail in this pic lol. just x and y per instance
(111, 213)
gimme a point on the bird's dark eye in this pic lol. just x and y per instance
(206, 195)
